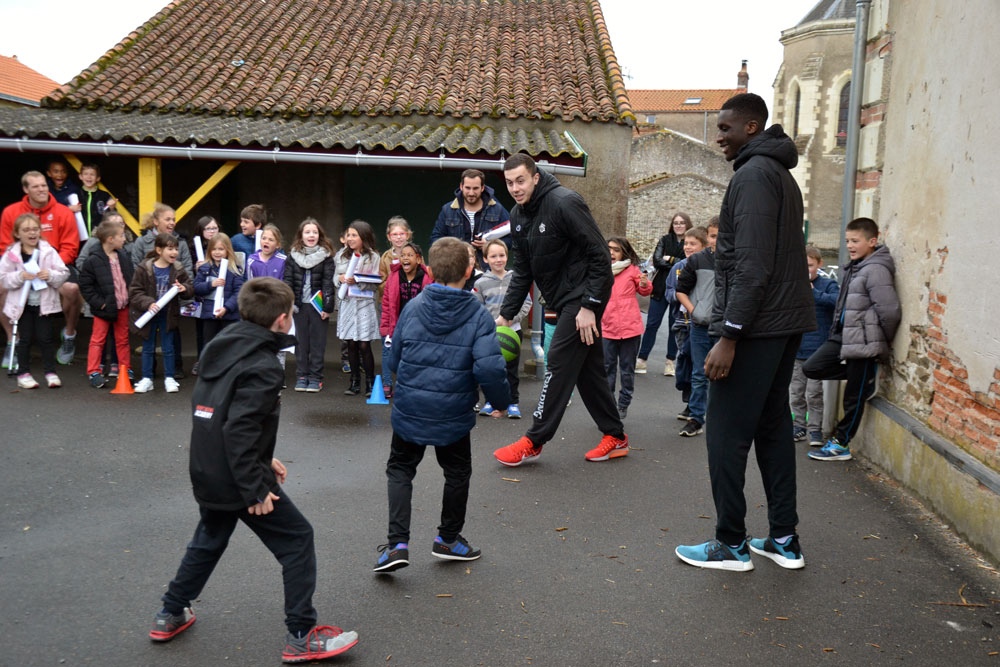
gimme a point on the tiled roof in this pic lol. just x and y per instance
(20, 83)
(343, 135)
(831, 9)
(354, 58)
(663, 101)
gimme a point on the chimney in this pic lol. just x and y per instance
(742, 78)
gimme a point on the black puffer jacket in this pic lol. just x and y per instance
(98, 286)
(669, 250)
(557, 244)
(235, 406)
(320, 278)
(761, 278)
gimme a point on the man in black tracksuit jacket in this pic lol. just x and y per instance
(557, 245)
(763, 305)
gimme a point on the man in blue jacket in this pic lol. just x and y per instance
(762, 307)
(472, 214)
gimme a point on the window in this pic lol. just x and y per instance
(798, 111)
(693, 100)
(651, 119)
(845, 99)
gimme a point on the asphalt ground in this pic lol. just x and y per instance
(577, 569)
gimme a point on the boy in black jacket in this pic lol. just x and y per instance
(236, 404)
(104, 281)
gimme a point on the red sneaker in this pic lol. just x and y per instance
(516, 453)
(166, 626)
(610, 447)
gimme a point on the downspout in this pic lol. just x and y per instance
(831, 387)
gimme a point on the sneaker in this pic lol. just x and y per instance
(831, 451)
(178, 372)
(345, 368)
(25, 381)
(513, 411)
(622, 413)
(798, 434)
(131, 375)
(301, 384)
(67, 350)
(53, 381)
(516, 453)
(668, 368)
(144, 385)
(392, 557)
(788, 556)
(640, 366)
(815, 438)
(460, 549)
(387, 390)
(97, 380)
(166, 626)
(691, 429)
(194, 369)
(314, 386)
(684, 414)
(715, 555)
(323, 641)
(171, 385)
(610, 447)
(113, 371)
(486, 410)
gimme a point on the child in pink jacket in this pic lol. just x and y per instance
(32, 262)
(621, 326)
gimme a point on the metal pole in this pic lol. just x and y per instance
(853, 124)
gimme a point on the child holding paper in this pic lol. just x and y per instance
(207, 228)
(357, 322)
(153, 278)
(309, 272)
(28, 260)
(218, 313)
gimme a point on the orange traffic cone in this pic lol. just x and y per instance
(124, 385)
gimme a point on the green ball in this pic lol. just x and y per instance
(510, 343)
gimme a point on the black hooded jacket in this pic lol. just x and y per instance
(557, 244)
(236, 405)
(761, 279)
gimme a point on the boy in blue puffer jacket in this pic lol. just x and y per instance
(443, 348)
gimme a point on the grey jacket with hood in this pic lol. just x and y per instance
(867, 313)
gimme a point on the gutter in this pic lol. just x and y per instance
(275, 156)
(853, 126)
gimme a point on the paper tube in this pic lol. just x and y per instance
(497, 232)
(220, 291)
(161, 302)
(351, 266)
(256, 240)
(198, 250)
(81, 226)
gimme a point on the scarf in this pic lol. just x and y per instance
(618, 267)
(307, 258)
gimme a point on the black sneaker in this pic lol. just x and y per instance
(392, 558)
(96, 380)
(166, 626)
(460, 549)
(798, 434)
(685, 414)
(691, 429)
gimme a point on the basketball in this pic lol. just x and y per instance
(510, 343)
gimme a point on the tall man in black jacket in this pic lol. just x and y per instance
(557, 244)
(763, 305)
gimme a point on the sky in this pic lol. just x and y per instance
(659, 43)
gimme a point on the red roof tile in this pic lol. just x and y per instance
(459, 58)
(663, 101)
(20, 82)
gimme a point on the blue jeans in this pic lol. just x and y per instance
(620, 355)
(682, 372)
(700, 343)
(386, 373)
(158, 323)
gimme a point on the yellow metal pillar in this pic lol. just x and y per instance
(150, 184)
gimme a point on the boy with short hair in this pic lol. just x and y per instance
(444, 345)
(696, 292)
(695, 240)
(236, 403)
(252, 218)
(61, 185)
(864, 324)
(805, 396)
(93, 201)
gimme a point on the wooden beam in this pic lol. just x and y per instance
(205, 188)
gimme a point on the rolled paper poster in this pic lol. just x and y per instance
(161, 302)
(256, 240)
(351, 266)
(497, 232)
(198, 250)
(81, 226)
(220, 291)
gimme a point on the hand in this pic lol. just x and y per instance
(720, 359)
(586, 324)
(76, 208)
(25, 276)
(502, 321)
(180, 288)
(219, 312)
(266, 507)
(153, 308)
(219, 282)
(324, 315)
(280, 471)
(111, 204)
(478, 243)
(643, 279)
(350, 281)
